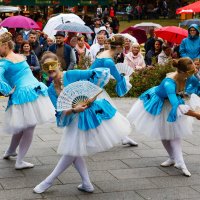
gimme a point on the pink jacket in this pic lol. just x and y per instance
(136, 62)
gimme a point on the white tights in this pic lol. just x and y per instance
(64, 162)
(23, 140)
(174, 149)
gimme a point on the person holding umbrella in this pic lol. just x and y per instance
(190, 46)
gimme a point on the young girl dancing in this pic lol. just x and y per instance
(160, 112)
(106, 60)
(87, 130)
(28, 102)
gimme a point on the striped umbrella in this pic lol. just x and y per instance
(74, 27)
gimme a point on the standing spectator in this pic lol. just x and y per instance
(40, 23)
(165, 55)
(102, 31)
(95, 48)
(99, 11)
(96, 27)
(165, 8)
(138, 12)
(70, 35)
(150, 42)
(135, 59)
(31, 59)
(49, 41)
(151, 57)
(64, 52)
(25, 33)
(35, 46)
(105, 13)
(129, 10)
(73, 43)
(112, 12)
(18, 42)
(190, 46)
(115, 24)
(126, 50)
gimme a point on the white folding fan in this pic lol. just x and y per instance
(77, 93)
(124, 69)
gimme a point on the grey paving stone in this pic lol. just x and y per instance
(106, 165)
(24, 182)
(150, 153)
(46, 151)
(169, 193)
(130, 195)
(94, 176)
(144, 162)
(137, 173)
(125, 185)
(65, 191)
(126, 153)
(10, 172)
(19, 194)
(65, 198)
(192, 150)
(173, 181)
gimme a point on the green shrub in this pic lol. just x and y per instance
(142, 80)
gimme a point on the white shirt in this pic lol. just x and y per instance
(94, 49)
(3, 30)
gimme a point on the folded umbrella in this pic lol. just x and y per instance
(19, 22)
(74, 27)
(139, 34)
(172, 34)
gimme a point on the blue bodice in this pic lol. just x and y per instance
(98, 111)
(121, 87)
(193, 86)
(154, 98)
(19, 75)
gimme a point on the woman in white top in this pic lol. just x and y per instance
(134, 58)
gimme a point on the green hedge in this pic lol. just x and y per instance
(142, 80)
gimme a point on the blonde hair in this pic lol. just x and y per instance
(7, 38)
(135, 45)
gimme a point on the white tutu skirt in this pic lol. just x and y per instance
(157, 126)
(20, 117)
(76, 142)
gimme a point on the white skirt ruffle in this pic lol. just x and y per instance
(20, 117)
(157, 126)
(76, 142)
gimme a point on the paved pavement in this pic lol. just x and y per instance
(123, 173)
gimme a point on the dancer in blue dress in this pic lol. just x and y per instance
(105, 60)
(28, 103)
(87, 130)
(161, 113)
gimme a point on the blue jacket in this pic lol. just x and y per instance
(67, 52)
(190, 46)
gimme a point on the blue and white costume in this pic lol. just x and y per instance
(159, 112)
(29, 105)
(96, 129)
(123, 85)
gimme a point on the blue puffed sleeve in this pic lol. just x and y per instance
(98, 76)
(5, 88)
(122, 86)
(61, 118)
(193, 86)
(175, 100)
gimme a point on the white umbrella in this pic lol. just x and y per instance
(128, 36)
(4, 9)
(53, 22)
(147, 26)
